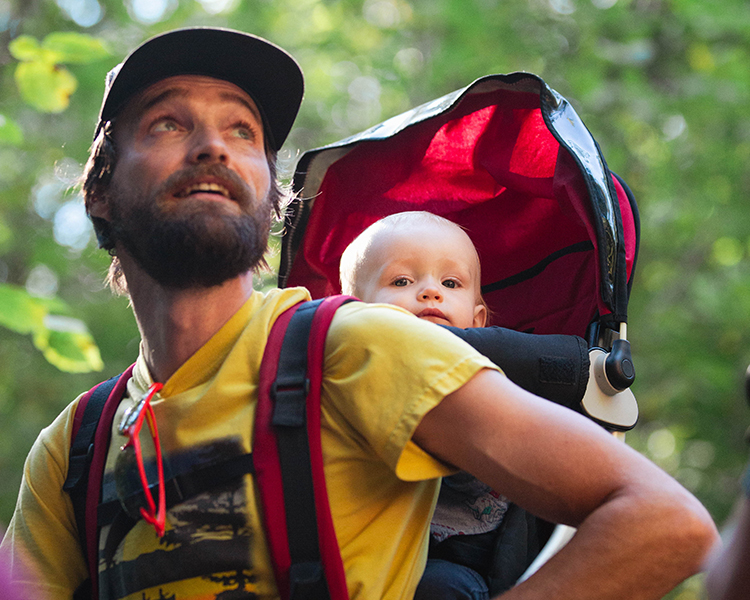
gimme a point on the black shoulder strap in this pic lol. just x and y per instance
(82, 449)
(288, 456)
(290, 391)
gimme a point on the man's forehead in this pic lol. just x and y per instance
(191, 86)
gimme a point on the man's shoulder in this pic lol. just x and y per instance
(385, 324)
(63, 424)
(50, 449)
(356, 315)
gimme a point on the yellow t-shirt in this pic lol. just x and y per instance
(384, 370)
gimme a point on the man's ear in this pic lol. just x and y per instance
(480, 315)
(98, 207)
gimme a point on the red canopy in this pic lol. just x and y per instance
(509, 160)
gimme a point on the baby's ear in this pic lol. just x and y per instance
(480, 315)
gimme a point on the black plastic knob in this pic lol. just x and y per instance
(619, 366)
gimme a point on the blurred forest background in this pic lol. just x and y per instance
(664, 86)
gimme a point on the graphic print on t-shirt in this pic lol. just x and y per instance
(205, 551)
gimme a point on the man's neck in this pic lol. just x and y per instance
(173, 323)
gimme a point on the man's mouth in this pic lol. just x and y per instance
(204, 187)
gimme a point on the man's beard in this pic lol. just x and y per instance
(187, 243)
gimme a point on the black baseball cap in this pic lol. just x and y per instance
(269, 74)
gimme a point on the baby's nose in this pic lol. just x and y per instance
(431, 292)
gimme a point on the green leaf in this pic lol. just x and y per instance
(19, 311)
(64, 341)
(68, 345)
(42, 80)
(72, 47)
(26, 48)
(10, 132)
(46, 86)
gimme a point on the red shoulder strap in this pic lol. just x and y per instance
(329, 546)
(266, 453)
(266, 458)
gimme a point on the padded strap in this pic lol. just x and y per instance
(85, 422)
(290, 396)
(86, 419)
(86, 466)
(96, 472)
(288, 456)
(329, 546)
(555, 367)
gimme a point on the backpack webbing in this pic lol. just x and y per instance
(292, 491)
(297, 517)
(88, 453)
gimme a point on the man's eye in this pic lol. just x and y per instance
(243, 131)
(450, 283)
(165, 125)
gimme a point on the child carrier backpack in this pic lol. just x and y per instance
(508, 159)
(287, 461)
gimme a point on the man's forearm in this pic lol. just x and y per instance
(636, 548)
(639, 531)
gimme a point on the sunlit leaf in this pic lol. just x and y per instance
(71, 47)
(44, 85)
(26, 48)
(19, 311)
(10, 132)
(72, 351)
(64, 341)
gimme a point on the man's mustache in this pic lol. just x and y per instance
(239, 191)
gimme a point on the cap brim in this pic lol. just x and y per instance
(271, 77)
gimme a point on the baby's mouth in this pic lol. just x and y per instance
(431, 314)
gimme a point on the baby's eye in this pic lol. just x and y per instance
(400, 282)
(450, 283)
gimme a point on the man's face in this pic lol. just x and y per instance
(188, 197)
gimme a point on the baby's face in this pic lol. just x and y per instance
(430, 270)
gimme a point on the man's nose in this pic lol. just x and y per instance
(208, 146)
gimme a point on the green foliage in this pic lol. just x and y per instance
(662, 84)
(10, 132)
(63, 340)
(42, 80)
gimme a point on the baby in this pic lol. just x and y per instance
(429, 266)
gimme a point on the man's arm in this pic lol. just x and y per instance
(639, 532)
(42, 533)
